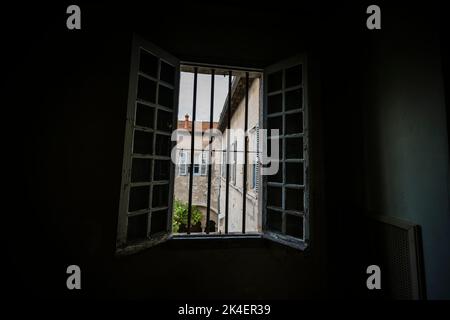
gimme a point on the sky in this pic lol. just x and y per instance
(203, 95)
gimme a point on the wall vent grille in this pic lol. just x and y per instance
(397, 248)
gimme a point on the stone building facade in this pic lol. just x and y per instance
(200, 177)
(236, 156)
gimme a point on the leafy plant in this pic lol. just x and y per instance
(180, 215)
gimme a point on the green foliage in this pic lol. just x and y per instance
(180, 215)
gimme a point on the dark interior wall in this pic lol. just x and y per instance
(407, 139)
(74, 110)
(72, 87)
(67, 93)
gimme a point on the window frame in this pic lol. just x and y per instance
(182, 163)
(233, 164)
(122, 246)
(288, 240)
(203, 163)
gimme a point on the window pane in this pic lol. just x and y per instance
(278, 177)
(163, 145)
(140, 170)
(274, 220)
(143, 142)
(162, 170)
(148, 64)
(165, 120)
(167, 73)
(294, 148)
(294, 173)
(137, 227)
(275, 81)
(165, 97)
(144, 115)
(158, 221)
(275, 123)
(146, 89)
(274, 196)
(280, 148)
(139, 198)
(160, 196)
(294, 199)
(293, 76)
(293, 99)
(294, 226)
(294, 123)
(275, 103)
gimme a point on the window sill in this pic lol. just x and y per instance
(289, 241)
(228, 241)
(217, 236)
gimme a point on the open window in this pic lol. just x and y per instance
(274, 206)
(286, 193)
(147, 175)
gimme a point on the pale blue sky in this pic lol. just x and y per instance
(203, 95)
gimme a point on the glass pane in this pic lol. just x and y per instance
(293, 76)
(148, 64)
(160, 196)
(275, 81)
(165, 97)
(275, 103)
(280, 147)
(294, 226)
(275, 123)
(162, 170)
(294, 148)
(278, 177)
(137, 227)
(294, 199)
(293, 99)
(140, 170)
(294, 173)
(294, 123)
(144, 115)
(139, 198)
(163, 145)
(274, 196)
(167, 73)
(146, 89)
(158, 221)
(274, 220)
(143, 142)
(165, 120)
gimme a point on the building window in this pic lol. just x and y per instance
(200, 163)
(233, 165)
(254, 159)
(203, 163)
(224, 154)
(182, 163)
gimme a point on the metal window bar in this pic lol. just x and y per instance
(191, 168)
(244, 187)
(211, 118)
(227, 188)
